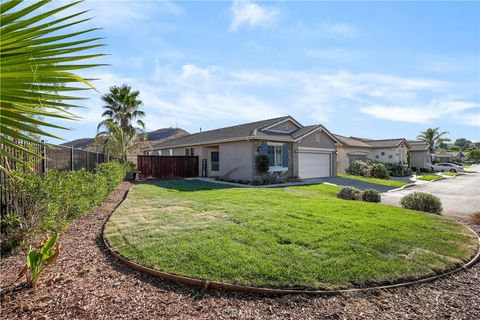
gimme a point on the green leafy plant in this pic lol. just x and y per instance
(349, 193)
(38, 63)
(38, 260)
(371, 195)
(422, 201)
(432, 136)
(359, 168)
(261, 164)
(379, 170)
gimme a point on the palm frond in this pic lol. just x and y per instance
(37, 69)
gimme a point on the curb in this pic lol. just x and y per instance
(217, 285)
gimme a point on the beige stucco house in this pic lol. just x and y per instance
(420, 156)
(293, 150)
(387, 151)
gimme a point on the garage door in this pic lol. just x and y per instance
(313, 165)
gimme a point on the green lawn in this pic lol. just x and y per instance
(450, 174)
(429, 177)
(299, 236)
(385, 182)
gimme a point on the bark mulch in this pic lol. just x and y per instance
(87, 283)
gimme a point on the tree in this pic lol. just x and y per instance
(463, 143)
(122, 108)
(116, 141)
(432, 136)
(37, 63)
(474, 154)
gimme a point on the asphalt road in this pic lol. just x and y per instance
(460, 195)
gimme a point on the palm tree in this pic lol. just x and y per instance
(37, 61)
(432, 136)
(122, 108)
(116, 141)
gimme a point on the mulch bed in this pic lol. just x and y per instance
(87, 283)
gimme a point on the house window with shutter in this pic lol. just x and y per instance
(277, 156)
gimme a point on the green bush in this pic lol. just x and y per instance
(422, 201)
(45, 203)
(264, 179)
(379, 171)
(349, 193)
(359, 168)
(398, 170)
(261, 164)
(371, 195)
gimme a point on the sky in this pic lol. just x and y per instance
(369, 69)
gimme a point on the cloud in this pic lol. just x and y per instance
(250, 14)
(425, 114)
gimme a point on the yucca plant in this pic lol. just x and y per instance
(38, 58)
(38, 260)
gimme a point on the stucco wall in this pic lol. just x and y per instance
(420, 159)
(236, 160)
(285, 126)
(343, 161)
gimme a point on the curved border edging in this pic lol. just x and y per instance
(217, 285)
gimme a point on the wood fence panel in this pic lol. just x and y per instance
(167, 167)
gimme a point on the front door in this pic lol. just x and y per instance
(214, 162)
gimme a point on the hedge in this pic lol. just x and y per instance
(48, 201)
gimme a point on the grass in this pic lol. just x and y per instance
(450, 174)
(384, 182)
(429, 177)
(301, 236)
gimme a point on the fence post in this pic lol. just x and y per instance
(71, 159)
(44, 157)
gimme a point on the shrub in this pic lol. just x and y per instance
(261, 164)
(44, 203)
(359, 168)
(371, 195)
(379, 171)
(398, 170)
(475, 218)
(422, 201)
(349, 193)
(264, 179)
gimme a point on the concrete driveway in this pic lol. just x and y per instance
(460, 195)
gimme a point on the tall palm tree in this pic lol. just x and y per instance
(432, 136)
(37, 65)
(122, 108)
(116, 141)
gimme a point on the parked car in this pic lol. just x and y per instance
(446, 167)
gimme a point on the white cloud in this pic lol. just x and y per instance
(248, 13)
(426, 113)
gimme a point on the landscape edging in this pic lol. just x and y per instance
(217, 285)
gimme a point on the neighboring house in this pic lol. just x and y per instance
(420, 156)
(449, 156)
(293, 150)
(386, 151)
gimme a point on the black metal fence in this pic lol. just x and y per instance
(50, 157)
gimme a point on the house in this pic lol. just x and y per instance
(393, 151)
(293, 150)
(449, 156)
(420, 156)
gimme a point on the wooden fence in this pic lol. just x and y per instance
(167, 167)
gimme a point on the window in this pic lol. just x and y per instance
(170, 152)
(159, 152)
(189, 152)
(383, 153)
(215, 160)
(317, 137)
(275, 156)
(390, 156)
(377, 156)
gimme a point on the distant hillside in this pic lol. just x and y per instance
(160, 134)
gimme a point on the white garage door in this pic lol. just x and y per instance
(313, 165)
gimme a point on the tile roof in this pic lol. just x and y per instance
(352, 142)
(416, 145)
(252, 130)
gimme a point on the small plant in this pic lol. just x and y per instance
(359, 168)
(475, 218)
(379, 171)
(371, 195)
(422, 201)
(349, 193)
(37, 261)
(261, 164)
(264, 179)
